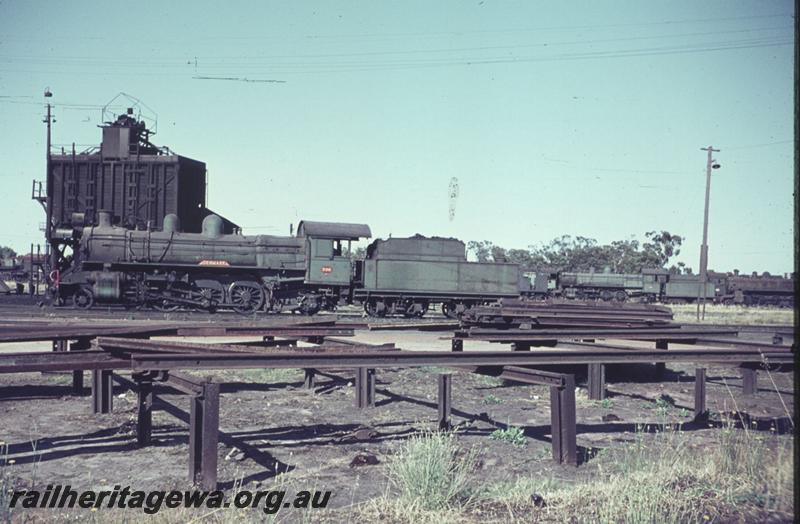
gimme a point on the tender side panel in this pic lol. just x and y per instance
(441, 277)
(688, 289)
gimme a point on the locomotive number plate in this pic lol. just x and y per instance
(222, 263)
(326, 269)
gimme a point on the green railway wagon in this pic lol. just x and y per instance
(408, 275)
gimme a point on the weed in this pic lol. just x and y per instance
(606, 403)
(487, 380)
(270, 375)
(436, 370)
(519, 489)
(511, 434)
(6, 486)
(431, 472)
(491, 399)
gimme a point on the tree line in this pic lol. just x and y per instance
(7, 252)
(566, 253)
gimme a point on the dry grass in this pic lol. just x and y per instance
(431, 472)
(270, 375)
(741, 476)
(719, 314)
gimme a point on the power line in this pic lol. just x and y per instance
(749, 146)
(310, 67)
(418, 34)
(171, 62)
(235, 79)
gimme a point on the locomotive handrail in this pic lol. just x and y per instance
(166, 248)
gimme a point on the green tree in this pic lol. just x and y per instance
(357, 254)
(661, 246)
(520, 256)
(482, 250)
(566, 253)
(7, 252)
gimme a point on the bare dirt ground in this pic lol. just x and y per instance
(276, 434)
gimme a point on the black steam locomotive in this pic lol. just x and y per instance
(169, 269)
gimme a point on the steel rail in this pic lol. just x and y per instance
(514, 310)
(519, 374)
(517, 335)
(765, 348)
(419, 326)
(265, 331)
(39, 333)
(374, 359)
(60, 361)
(131, 346)
(737, 342)
(539, 324)
(185, 383)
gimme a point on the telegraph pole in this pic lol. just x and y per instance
(701, 290)
(49, 185)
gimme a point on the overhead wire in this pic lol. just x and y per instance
(171, 62)
(328, 67)
(420, 34)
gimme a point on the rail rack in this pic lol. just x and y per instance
(104, 350)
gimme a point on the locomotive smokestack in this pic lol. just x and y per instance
(104, 219)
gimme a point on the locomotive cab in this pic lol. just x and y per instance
(326, 263)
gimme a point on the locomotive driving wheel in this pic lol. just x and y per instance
(83, 298)
(246, 297)
(209, 295)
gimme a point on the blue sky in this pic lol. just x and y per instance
(578, 118)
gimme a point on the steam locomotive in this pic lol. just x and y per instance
(311, 271)
(658, 285)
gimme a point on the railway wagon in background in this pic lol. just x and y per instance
(764, 290)
(408, 275)
(680, 289)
